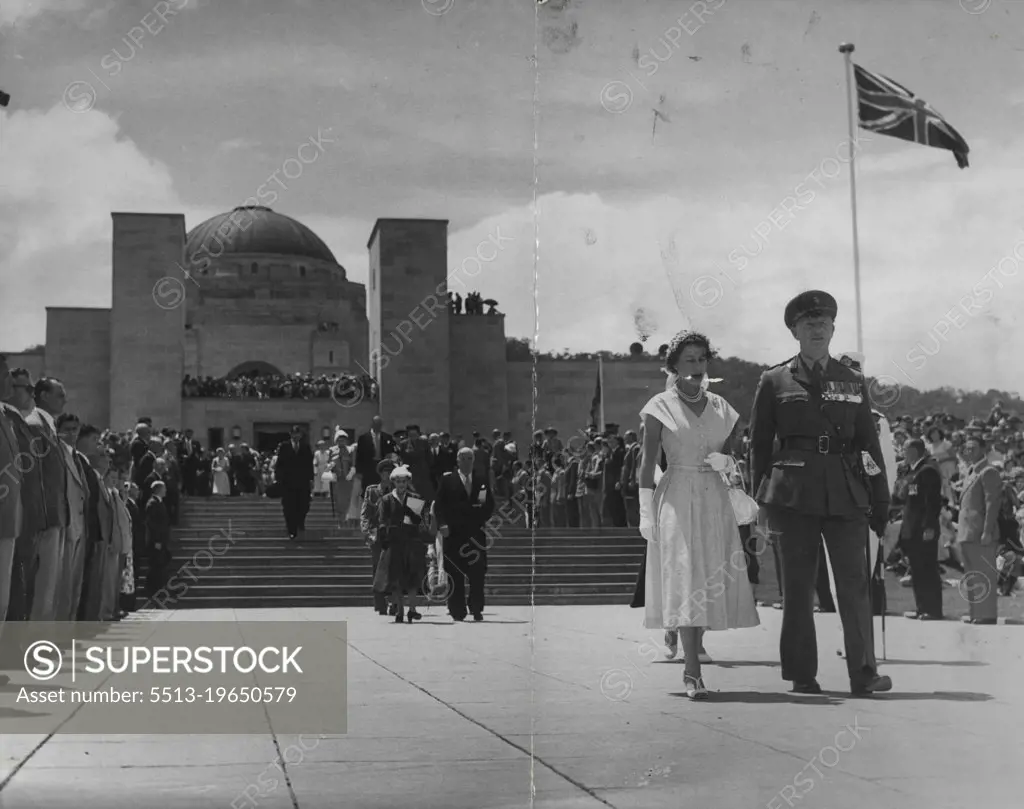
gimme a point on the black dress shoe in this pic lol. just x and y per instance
(458, 617)
(872, 685)
(979, 621)
(414, 616)
(478, 616)
(400, 618)
(810, 687)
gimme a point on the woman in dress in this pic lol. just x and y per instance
(339, 463)
(696, 568)
(221, 481)
(403, 564)
(321, 463)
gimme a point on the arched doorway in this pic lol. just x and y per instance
(254, 368)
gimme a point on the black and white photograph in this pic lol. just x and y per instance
(500, 404)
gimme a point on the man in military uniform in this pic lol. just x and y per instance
(814, 484)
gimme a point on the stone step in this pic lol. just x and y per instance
(494, 599)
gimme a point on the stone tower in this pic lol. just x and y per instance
(410, 349)
(147, 319)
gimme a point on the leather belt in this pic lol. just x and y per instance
(823, 445)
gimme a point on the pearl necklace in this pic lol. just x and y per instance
(686, 397)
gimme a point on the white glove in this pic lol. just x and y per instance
(647, 514)
(721, 463)
(351, 474)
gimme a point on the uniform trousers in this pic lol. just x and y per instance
(980, 581)
(924, 573)
(799, 537)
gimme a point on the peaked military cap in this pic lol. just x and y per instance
(814, 303)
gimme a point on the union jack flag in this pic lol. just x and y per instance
(891, 109)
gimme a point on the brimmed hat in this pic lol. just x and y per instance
(385, 466)
(401, 473)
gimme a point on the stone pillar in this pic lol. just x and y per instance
(409, 350)
(147, 320)
(480, 384)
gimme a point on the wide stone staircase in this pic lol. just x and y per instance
(234, 552)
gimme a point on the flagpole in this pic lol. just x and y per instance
(846, 49)
(600, 377)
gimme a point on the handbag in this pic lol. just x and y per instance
(329, 477)
(744, 506)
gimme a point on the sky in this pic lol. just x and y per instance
(642, 167)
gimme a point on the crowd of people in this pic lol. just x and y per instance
(474, 304)
(71, 525)
(255, 385)
(80, 506)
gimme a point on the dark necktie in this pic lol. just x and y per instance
(816, 375)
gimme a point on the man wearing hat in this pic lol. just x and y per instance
(816, 485)
(369, 522)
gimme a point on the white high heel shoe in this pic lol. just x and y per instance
(695, 688)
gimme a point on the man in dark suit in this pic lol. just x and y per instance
(572, 502)
(158, 540)
(817, 484)
(444, 458)
(415, 454)
(614, 506)
(294, 472)
(919, 534)
(629, 480)
(464, 504)
(371, 448)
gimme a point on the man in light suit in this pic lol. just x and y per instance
(50, 398)
(11, 511)
(72, 568)
(464, 504)
(978, 532)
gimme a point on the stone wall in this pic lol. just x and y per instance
(148, 318)
(565, 391)
(78, 354)
(199, 415)
(480, 399)
(409, 260)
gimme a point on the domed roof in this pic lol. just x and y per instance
(254, 229)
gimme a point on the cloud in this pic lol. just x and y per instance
(237, 144)
(71, 171)
(18, 12)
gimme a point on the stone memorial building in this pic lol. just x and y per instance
(254, 290)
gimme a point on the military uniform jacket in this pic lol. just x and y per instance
(807, 418)
(923, 500)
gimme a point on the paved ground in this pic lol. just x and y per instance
(573, 707)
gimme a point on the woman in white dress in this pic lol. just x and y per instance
(321, 463)
(355, 500)
(220, 466)
(696, 574)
